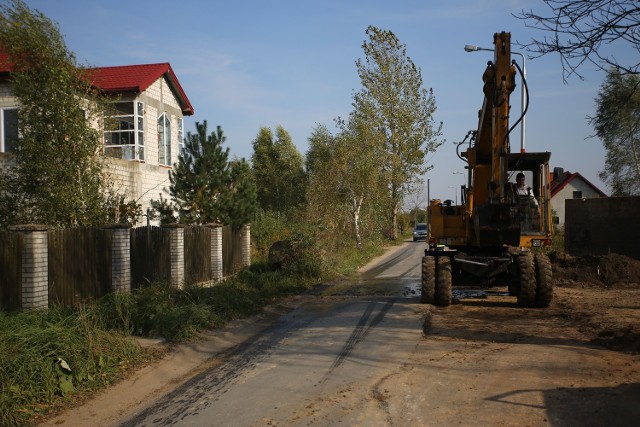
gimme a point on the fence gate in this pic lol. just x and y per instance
(79, 265)
(150, 255)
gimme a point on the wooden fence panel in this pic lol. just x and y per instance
(197, 254)
(79, 265)
(231, 250)
(10, 270)
(150, 255)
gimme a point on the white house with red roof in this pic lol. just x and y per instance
(149, 112)
(567, 185)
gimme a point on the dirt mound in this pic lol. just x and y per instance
(610, 271)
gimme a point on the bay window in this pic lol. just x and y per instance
(124, 136)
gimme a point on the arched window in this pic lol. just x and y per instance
(164, 140)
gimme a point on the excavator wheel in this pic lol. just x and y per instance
(527, 295)
(514, 280)
(514, 289)
(428, 280)
(544, 281)
(443, 281)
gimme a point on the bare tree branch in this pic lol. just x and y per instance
(586, 32)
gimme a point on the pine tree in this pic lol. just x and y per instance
(200, 177)
(206, 187)
(241, 200)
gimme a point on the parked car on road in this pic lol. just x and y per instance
(420, 232)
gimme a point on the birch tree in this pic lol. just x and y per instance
(345, 173)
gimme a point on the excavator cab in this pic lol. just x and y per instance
(534, 208)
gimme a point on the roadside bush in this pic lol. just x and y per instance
(161, 310)
(266, 228)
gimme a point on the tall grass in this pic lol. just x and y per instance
(176, 314)
(36, 348)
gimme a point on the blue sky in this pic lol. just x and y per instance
(247, 64)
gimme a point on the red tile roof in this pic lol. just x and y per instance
(137, 78)
(5, 66)
(127, 78)
(567, 177)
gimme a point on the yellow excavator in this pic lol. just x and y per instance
(488, 238)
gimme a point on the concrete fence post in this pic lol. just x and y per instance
(120, 257)
(35, 266)
(246, 245)
(217, 270)
(176, 232)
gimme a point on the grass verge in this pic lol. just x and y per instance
(51, 357)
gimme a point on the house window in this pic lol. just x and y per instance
(180, 137)
(8, 129)
(124, 137)
(164, 140)
(577, 194)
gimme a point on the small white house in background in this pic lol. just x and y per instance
(567, 185)
(150, 125)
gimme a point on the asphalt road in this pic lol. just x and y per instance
(296, 371)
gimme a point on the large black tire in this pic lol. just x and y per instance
(544, 281)
(428, 280)
(514, 288)
(527, 294)
(443, 281)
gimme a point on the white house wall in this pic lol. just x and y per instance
(6, 98)
(558, 200)
(139, 181)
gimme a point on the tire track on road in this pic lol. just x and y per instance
(359, 333)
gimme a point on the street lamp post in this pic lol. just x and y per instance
(454, 192)
(464, 183)
(523, 96)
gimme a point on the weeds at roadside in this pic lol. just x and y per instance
(47, 357)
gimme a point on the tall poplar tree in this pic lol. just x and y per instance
(392, 101)
(278, 170)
